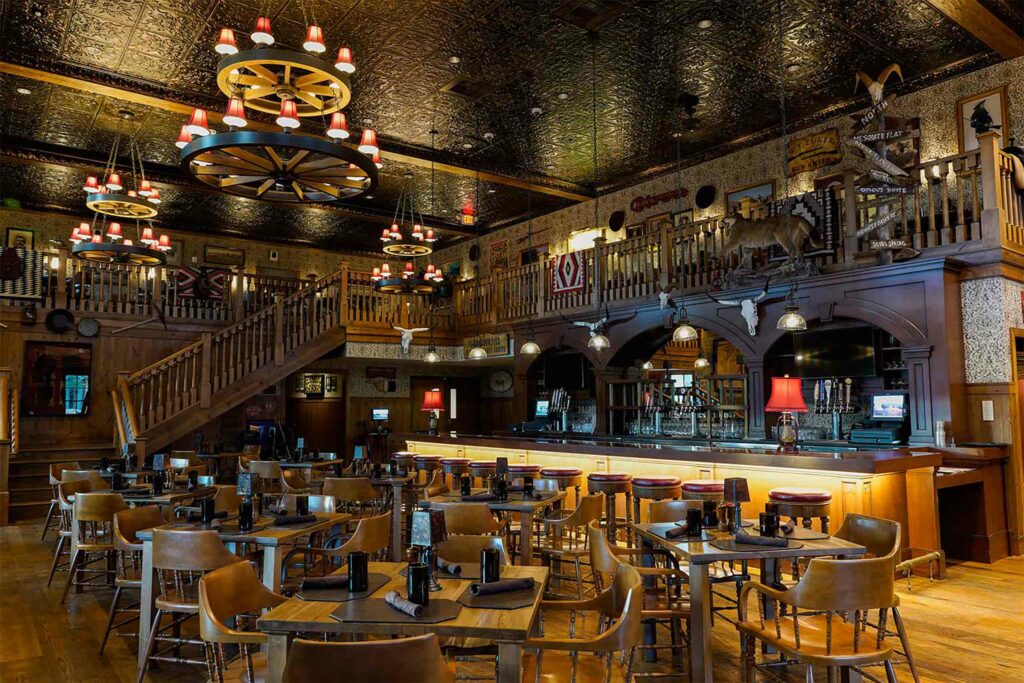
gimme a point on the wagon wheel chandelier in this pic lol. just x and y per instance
(281, 166)
(105, 242)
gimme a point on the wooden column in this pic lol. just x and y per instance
(922, 426)
(61, 276)
(850, 241)
(206, 370)
(755, 397)
(542, 287)
(993, 215)
(278, 329)
(665, 260)
(5, 439)
(5, 455)
(598, 275)
(343, 293)
(238, 296)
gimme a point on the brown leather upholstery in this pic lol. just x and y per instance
(469, 518)
(232, 590)
(483, 464)
(797, 494)
(407, 660)
(560, 472)
(879, 536)
(704, 485)
(455, 461)
(671, 510)
(467, 548)
(608, 476)
(656, 481)
(93, 476)
(523, 468)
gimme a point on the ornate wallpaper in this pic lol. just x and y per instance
(990, 307)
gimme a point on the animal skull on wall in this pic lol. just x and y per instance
(748, 307)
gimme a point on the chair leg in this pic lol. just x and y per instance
(579, 580)
(810, 674)
(110, 619)
(905, 642)
(150, 644)
(890, 672)
(49, 519)
(72, 568)
(628, 678)
(61, 542)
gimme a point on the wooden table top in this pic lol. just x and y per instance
(493, 624)
(702, 552)
(517, 502)
(166, 498)
(268, 536)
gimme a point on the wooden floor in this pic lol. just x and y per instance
(969, 627)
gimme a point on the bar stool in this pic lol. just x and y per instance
(611, 485)
(479, 469)
(521, 471)
(797, 502)
(53, 513)
(565, 477)
(92, 539)
(403, 460)
(654, 488)
(455, 468)
(704, 489)
(426, 464)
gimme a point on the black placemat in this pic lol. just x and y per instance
(510, 600)
(300, 525)
(732, 545)
(377, 610)
(801, 534)
(231, 527)
(374, 583)
(470, 570)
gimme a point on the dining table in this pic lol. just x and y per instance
(527, 507)
(273, 541)
(700, 555)
(508, 628)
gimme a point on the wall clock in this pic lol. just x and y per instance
(500, 381)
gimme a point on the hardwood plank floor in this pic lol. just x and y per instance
(968, 628)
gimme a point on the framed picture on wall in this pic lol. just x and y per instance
(452, 270)
(56, 379)
(20, 238)
(682, 218)
(653, 224)
(995, 102)
(225, 256)
(634, 230)
(743, 200)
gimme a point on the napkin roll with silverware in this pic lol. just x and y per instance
(312, 583)
(745, 538)
(503, 586)
(288, 520)
(453, 568)
(394, 599)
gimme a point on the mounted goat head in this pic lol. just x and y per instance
(748, 307)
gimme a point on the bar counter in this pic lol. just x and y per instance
(897, 484)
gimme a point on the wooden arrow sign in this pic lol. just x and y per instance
(877, 223)
(875, 158)
(882, 135)
(885, 189)
(884, 200)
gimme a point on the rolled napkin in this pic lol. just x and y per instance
(223, 514)
(403, 605)
(743, 537)
(503, 586)
(313, 583)
(453, 568)
(676, 532)
(288, 520)
(786, 528)
(477, 497)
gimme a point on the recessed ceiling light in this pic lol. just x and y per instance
(488, 136)
(467, 145)
(536, 111)
(491, 190)
(454, 59)
(23, 91)
(369, 196)
(367, 122)
(704, 23)
(792, 67)
(676, 135)
(563, 95)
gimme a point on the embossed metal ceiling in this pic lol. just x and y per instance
(643, 59)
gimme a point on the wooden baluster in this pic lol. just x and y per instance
(946, 234)
(961, 196)
(278, 330)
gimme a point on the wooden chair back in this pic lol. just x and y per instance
(408, 660)
(603, 559)
(587, 510)
(466, 549)
(128, 522)
(316, 503)
(57, 468)
(880, 536)
(292, 481)
(94, 513)
(845, 585)
(671, 510)
(233, 593)
(372, 535)
(350, 489)
(226, 499)
(474, 519)
(66, 489)
(98, 482)
(266, 469)
(186, 550)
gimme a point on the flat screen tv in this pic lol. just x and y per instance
(842, 352)
(889, 407)
(380, 414)
(542, 409)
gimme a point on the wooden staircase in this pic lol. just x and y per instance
(178, 394)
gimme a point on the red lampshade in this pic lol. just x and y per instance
(91, 184)
(787, 396)
(376, 274)
(197, 123)
(344, 61)
(368, 143)
(314, 40)
(408, 267)
(431, 271)
(114, 231)
(164, 243)
(154, 196)
(262, 36)
(113, 182)
(77, 236)
(133, 193)
(432, 400)
(385, 235)
(235, 114)
(147, 236)
(385, 271)
(226, 43)
(417, 231)
(129, 243)
(339, 127)
(97, 238)
(145, 189)
(184, 137)
(430, 236)
(289, 116)
(376, 160)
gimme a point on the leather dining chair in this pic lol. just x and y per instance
(406, 660)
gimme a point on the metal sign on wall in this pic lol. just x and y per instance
(493, 344)
(813, 151)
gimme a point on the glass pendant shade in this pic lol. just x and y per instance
(477, 352)
(700, 363)
(684, 332)
(431, 355)
(791, 320)
(598, 342)
(530, 348)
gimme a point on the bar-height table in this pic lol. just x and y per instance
(701, 555)
(274, 541)
(509, 628)
(518, 503)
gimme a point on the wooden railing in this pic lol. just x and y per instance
(8, 409)
(1011, 203)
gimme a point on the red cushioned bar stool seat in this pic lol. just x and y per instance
(403, 460)
(805, 504)
(565, 478)
(518, 472)
(654, 488)
(703, 489)
(455, 468)
(427, 464)
(482, 469)
(611, 484)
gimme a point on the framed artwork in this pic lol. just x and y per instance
(174, 255)
(634, 230)
(499, 254)
(682, 218)
(56, 379)
(225, 256)
(654, 222)
(313, 386)
(20, 238)
(534, 254)
(996, 104)
(743, 199)
(452, 270)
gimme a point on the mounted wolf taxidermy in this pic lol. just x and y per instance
(748, 307)
(746, 236)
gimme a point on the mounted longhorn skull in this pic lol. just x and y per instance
(599, 326)
(748, 307)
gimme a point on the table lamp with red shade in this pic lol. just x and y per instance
(787, 398)
(433, 404)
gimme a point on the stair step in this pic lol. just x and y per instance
(20, 482)
(20, 511)
(31, 495)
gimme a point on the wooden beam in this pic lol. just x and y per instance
(572, 192)
(975, 18)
